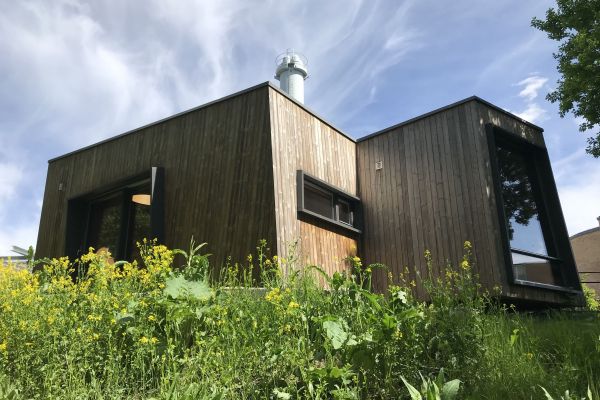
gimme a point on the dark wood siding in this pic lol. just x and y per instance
(301, 141)
(218, 176)
(434, 192)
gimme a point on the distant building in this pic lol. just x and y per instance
(586, 249)
(259, 164)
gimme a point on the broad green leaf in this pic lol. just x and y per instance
(176, 287)
(335, 333)
(389, 322)
(450, 389)
(414, 393)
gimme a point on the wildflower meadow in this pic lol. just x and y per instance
(169, 326)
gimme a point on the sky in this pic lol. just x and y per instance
(74, 72)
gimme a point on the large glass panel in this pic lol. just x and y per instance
(520, 205)
(318, 201)
(534, 269)
(105, 225)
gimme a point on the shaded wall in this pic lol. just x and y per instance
(434, 192)
(218, 176)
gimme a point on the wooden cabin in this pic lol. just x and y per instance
(259, 165)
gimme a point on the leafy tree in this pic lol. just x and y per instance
(576, 25)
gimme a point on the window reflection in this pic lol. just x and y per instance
(520, 190)
(520, 206)
(527, 268)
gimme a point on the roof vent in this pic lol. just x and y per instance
(291, 72)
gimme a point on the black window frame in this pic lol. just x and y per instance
(79, 212)
(303, 179)
(551, 219)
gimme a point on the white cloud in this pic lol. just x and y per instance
(533, 113)
(10, 177)
(578, 181)
(532, 85)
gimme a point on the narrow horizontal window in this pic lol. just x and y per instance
(327, 205)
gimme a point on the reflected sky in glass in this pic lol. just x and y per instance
(520, 205)
(528, 237)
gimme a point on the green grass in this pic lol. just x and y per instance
(162, 332)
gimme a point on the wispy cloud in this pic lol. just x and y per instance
(531, 87)
(532, 113)
(75, 71)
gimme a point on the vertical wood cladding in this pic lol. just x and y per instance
(218, 182)
(302, 141)
(230, 180)
(434, 192)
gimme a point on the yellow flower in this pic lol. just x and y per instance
(144, 340)
(95, 336)
(154, 340)
(293, 305)
(464, 265)
(274, 295)
(3, 347)
(151, 318)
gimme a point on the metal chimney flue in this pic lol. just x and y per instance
(291, 72)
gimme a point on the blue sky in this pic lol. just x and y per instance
(73, 73)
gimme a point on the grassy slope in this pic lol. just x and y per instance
(123, 332)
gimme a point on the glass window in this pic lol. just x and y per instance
(105, 225)
(528, 268)
(531, 256)
(317, 198)
(140, 223)
(345, 214)
(318, 201)
(116, 223)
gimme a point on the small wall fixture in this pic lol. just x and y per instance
(378, 165)
(143, 199)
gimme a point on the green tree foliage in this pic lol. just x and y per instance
(576, 25)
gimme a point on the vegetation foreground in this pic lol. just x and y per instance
(162, 332)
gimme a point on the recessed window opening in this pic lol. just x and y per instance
(119, 219)
(322, 202)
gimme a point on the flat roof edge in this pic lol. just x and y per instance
(210, 103)
(584, 232)
(447, 107)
